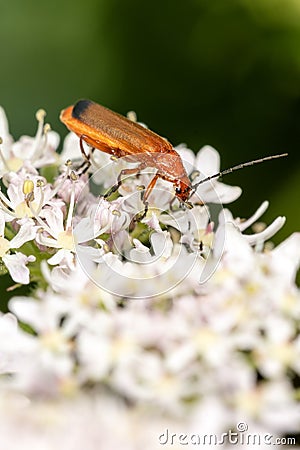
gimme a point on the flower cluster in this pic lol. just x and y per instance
(136, 325)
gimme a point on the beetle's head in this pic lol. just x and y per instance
(183, 192)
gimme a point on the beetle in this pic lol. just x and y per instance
(115, 134)
(120, 137)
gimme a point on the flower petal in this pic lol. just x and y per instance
(187, 156)
(4, 129)
(55, 220)
(141, 253)
(267, 233)
(218, 193)
(286, 257)
(26, 233)
(162, 244)
(208, 161)
(16, 265)
(152, 222)
(2, 223)
(71, 148)
(62, 256)
(260, 211)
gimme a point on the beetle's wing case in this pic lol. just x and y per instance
(112, 130)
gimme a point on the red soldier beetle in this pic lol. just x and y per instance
(120, 137)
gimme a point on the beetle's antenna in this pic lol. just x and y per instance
(238, 167)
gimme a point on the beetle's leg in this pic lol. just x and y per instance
(86, 157)
(147, 193)
(124, 172)
(171, 203)
(95, 144)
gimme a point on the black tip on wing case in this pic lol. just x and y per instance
(80, 107)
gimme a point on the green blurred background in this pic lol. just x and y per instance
(224, 73)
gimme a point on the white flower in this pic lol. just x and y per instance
(108, 216)
(194, 225)
(159, 199)
(49, 364)
(152, 220)
(161, 244)
(71, 148)
(286, 259)
(277, 351)
(124, 322)
(6, 137)
(271, 404)
(46, 425)
(57, 234)
(258, 239)
(94, 348)
(39, 150)
(145, 377)
(16, 263)
(105, 169)
(64, 186)
(207, 163)
(14, 344)
(170, 268)
(27, 194)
